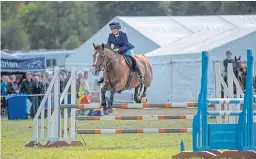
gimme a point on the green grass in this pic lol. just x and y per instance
(128, 146)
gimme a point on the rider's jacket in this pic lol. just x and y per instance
(120, 41)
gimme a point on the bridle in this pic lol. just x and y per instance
(100, 67)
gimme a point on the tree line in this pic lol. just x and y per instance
(66, 25)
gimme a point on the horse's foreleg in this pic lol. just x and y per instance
(111, 101)
(103, 98)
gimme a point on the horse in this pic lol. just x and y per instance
(119, 75)
(240, 71)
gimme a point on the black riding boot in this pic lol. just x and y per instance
(101, 80)
(142, 79)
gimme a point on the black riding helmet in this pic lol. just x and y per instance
(115, 25)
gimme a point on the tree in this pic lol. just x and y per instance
(9, 10)
(108, 10)
(241, 7)
(54, 25)
(72, 42)
(13, 36)
(50, 24)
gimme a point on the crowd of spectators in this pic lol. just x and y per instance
(34, 85)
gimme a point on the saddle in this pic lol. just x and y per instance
(130, 62)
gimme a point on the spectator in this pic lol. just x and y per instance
(38, 74)
(33, 76)
(78, 82)
(44, 87)
(84, 85)
(37, 87)
(26, 87)
(36, 90)
(62, 81)
(44, 83)
(46, 75)
(4, 85)
(84, 90)
(17, 85)
(11, 89)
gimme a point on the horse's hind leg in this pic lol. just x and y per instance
(143, 98)
(144, 92)
(136, 94)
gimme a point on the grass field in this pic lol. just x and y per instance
(129, 146)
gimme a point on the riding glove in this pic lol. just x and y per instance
(116, 50)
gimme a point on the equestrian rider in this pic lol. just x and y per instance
(121, 45)
(228, 59)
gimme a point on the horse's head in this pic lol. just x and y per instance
(100, 59)
(237, 63)
(239, 67)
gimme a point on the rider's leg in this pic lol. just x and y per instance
(130, 53)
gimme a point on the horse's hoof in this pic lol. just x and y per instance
(143, 99)
(110, 111)
(137, 100)
(105, 112)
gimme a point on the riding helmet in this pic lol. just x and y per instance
(115, 25)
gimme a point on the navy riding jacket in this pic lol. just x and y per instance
(120, 42)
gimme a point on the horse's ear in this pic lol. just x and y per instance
(235, 57)
(102, 45)
(94, 46)
(239, 57)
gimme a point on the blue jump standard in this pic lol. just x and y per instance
(209, 138)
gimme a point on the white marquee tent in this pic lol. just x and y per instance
(177, 66)
(174, 44)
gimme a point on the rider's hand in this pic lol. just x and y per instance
(116, 50)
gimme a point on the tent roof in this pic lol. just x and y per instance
(42, 52)
(168, 29)
(205, 40)
(5, 55)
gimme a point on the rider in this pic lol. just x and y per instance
(121, 45)
(227, 60)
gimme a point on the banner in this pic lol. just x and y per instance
(31, 64)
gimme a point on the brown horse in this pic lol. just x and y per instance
(240, 71)
(118, 76)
